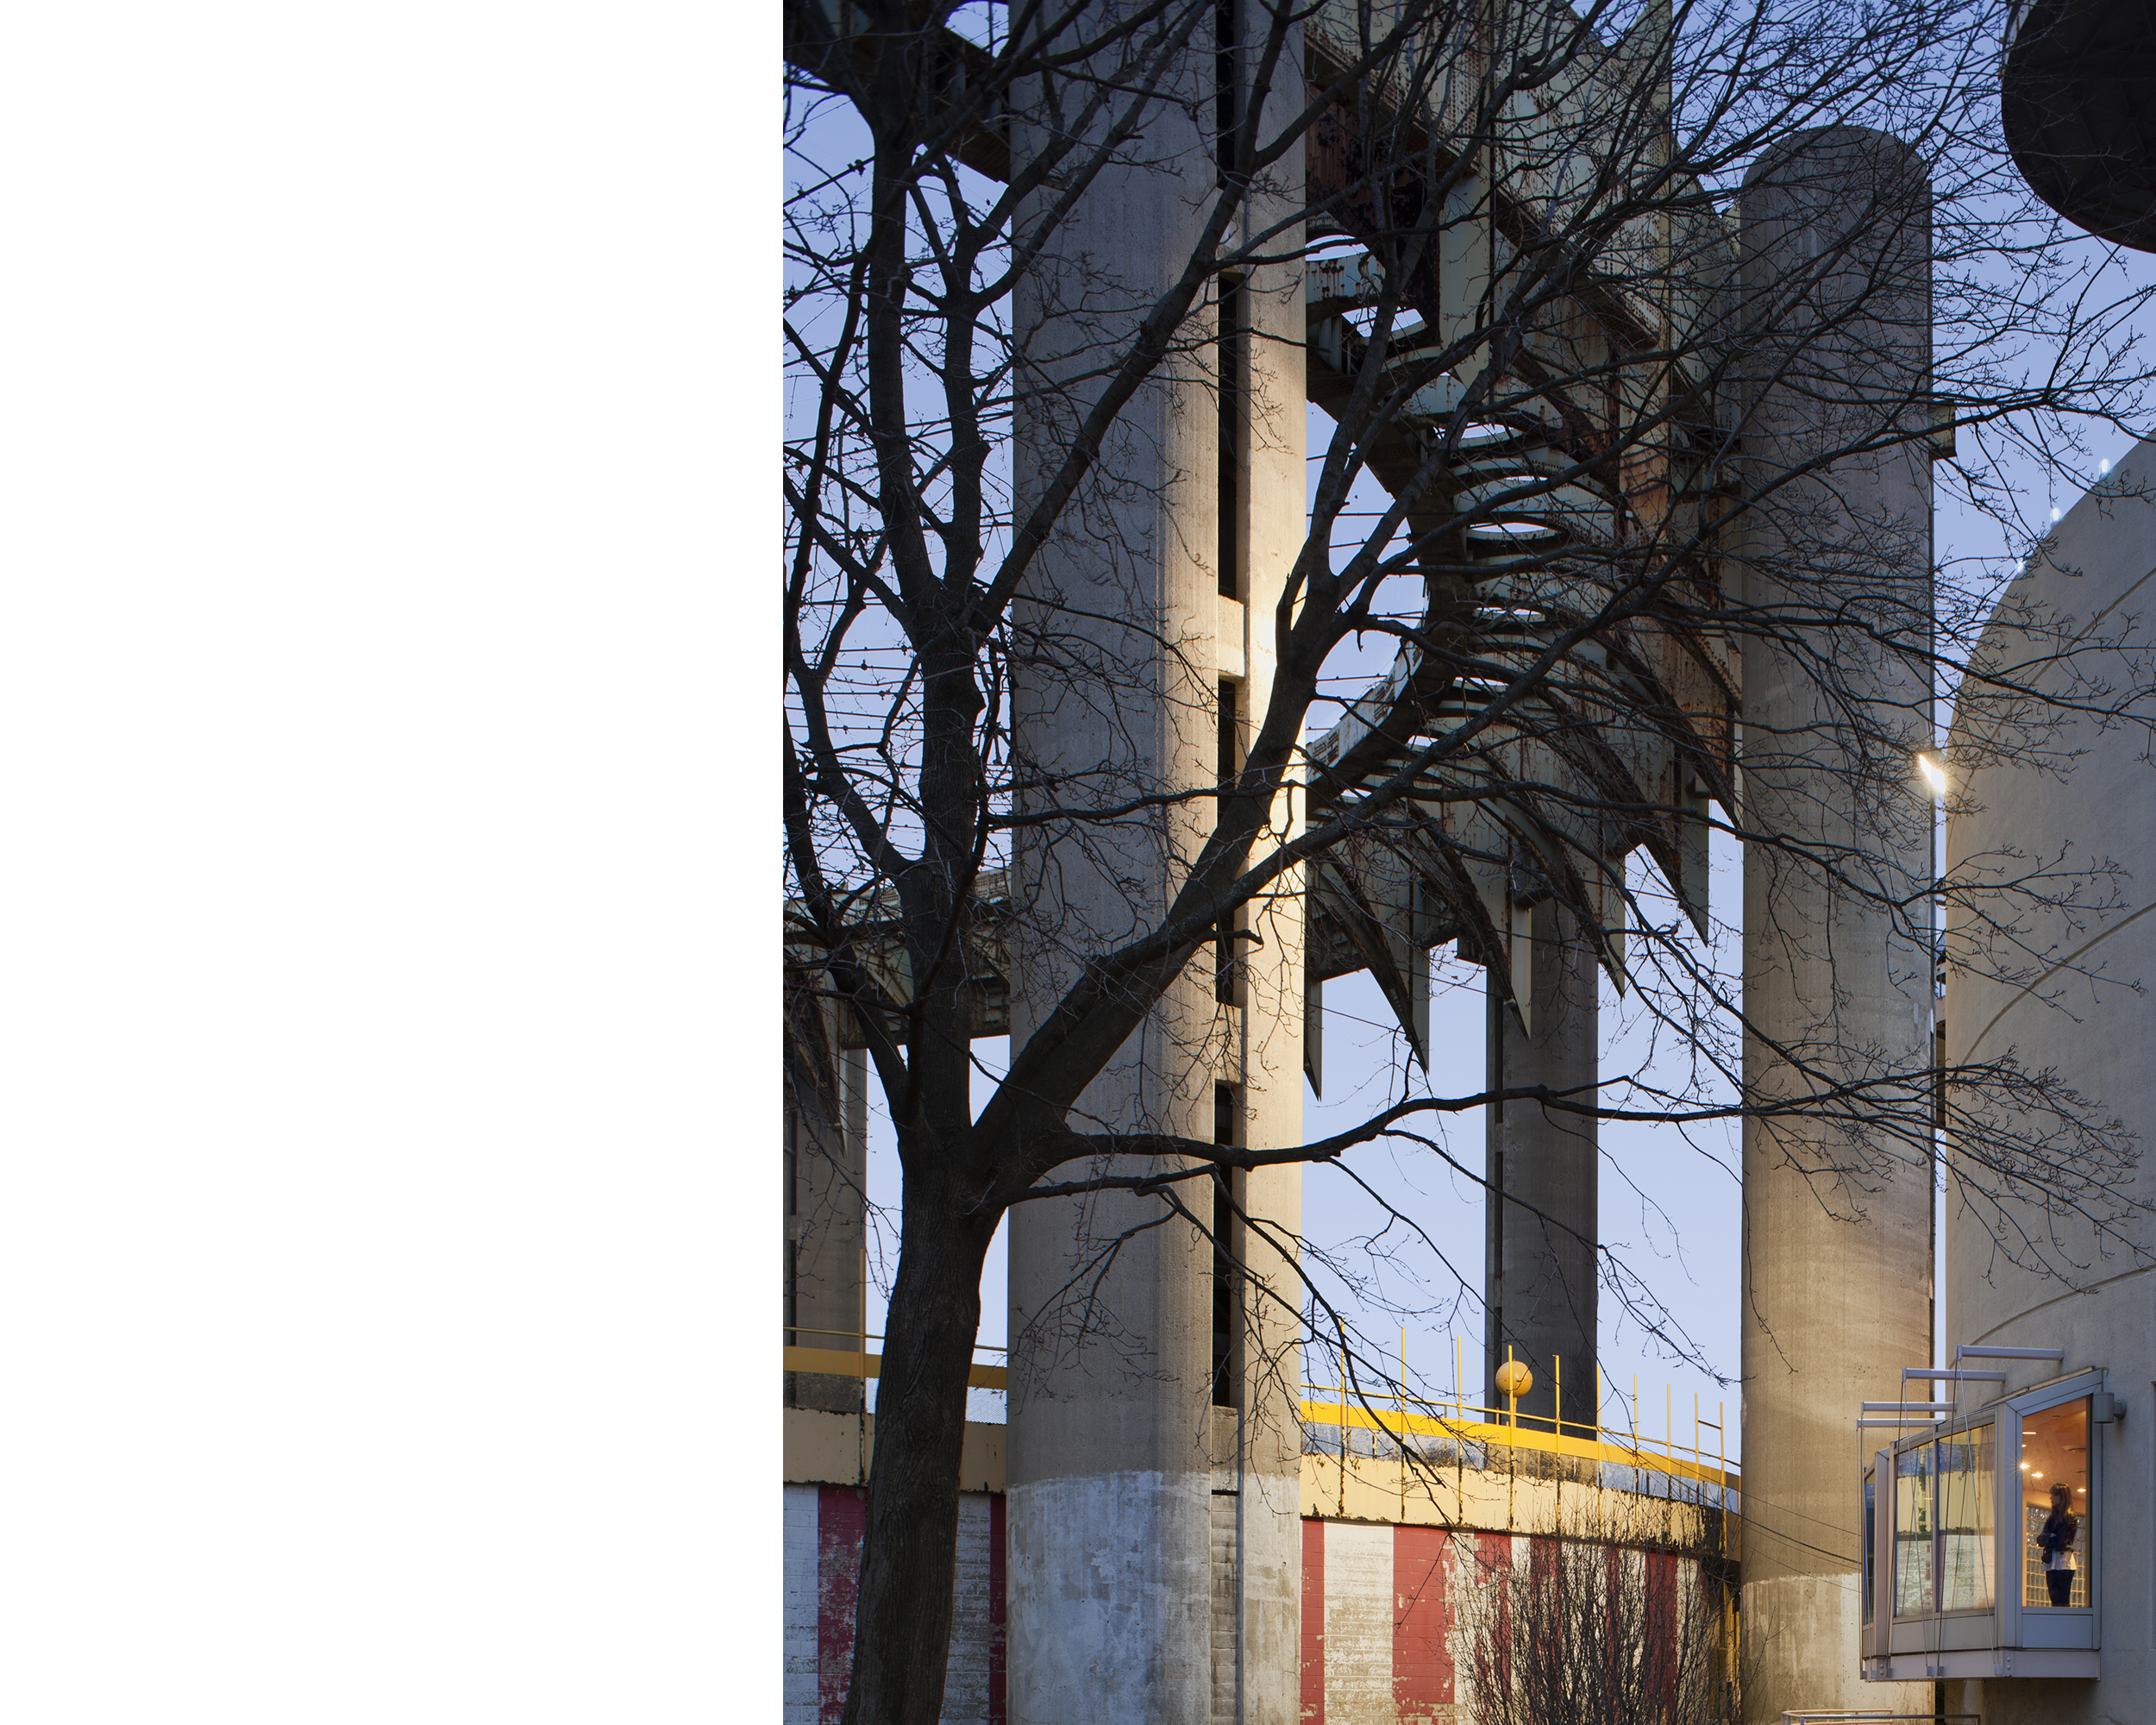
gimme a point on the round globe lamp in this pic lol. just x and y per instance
(1514, 1381)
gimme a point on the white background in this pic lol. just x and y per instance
(386, 669)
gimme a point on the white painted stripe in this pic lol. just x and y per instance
(797, 1639)
(966, 1680)
(1358, 1625)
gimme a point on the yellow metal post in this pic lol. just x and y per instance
(1344, 1438)
(1721, 1473)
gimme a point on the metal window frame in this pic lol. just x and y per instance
(1887, 1656)
(2041, 1400)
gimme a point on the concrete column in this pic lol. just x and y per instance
(826, 1146)
(1836, 240)
(1264, 1687)
(1539, 1273)
(1140, 1589)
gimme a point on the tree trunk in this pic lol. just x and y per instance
(903, 1617)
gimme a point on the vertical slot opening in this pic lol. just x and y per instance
(1233, 383)
(1226, 115)
(1227, 1385)
(1227, 969)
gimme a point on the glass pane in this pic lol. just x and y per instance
(2054, 1469)
(1968, 1487)
(1870, 1534)
(1912, 1525)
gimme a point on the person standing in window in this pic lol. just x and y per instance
(2056, 1540)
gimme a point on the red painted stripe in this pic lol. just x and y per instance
(1493, 1653)
(1662, 1630)
(998, 1628)
(842, 1523)
(1313, 1621)
(1422, 1660)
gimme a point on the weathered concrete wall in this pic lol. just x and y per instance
(1525, 1494)
(820, 1569)
(2062, 997)
(835, 1449)
(1382, 1565)
(1393, 1614)
(1836, 236)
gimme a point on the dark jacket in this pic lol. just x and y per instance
(2061, 1528)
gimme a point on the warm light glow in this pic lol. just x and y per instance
(2024, 1467)
(2038, 1476)
(1934, 774)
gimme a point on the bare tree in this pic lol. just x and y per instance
(1581, 1631)
(1506, 239)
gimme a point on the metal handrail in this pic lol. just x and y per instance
(1467, 1423)
(1472, 1423)
(860, 1362)
(870, 1336)
(1838, 1716)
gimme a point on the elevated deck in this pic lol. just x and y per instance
(1447, 1464)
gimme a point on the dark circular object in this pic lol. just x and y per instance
(2078, 101)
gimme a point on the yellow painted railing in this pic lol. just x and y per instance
(858, 1362)
(1452, 1419)
(1467, 1423)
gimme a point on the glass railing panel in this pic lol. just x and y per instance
(1914, 1525)
(1968, 1489)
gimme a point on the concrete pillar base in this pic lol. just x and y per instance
(1272, 1604)
(1802, 1659)
(1110, 1585)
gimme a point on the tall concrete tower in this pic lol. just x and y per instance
(1155, 1441)
(1836, 1264)
(1539, 1269)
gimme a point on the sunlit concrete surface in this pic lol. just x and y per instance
(2069, 1002)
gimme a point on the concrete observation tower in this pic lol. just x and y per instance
(1163, 1498)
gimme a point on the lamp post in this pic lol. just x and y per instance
(1935, 775)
